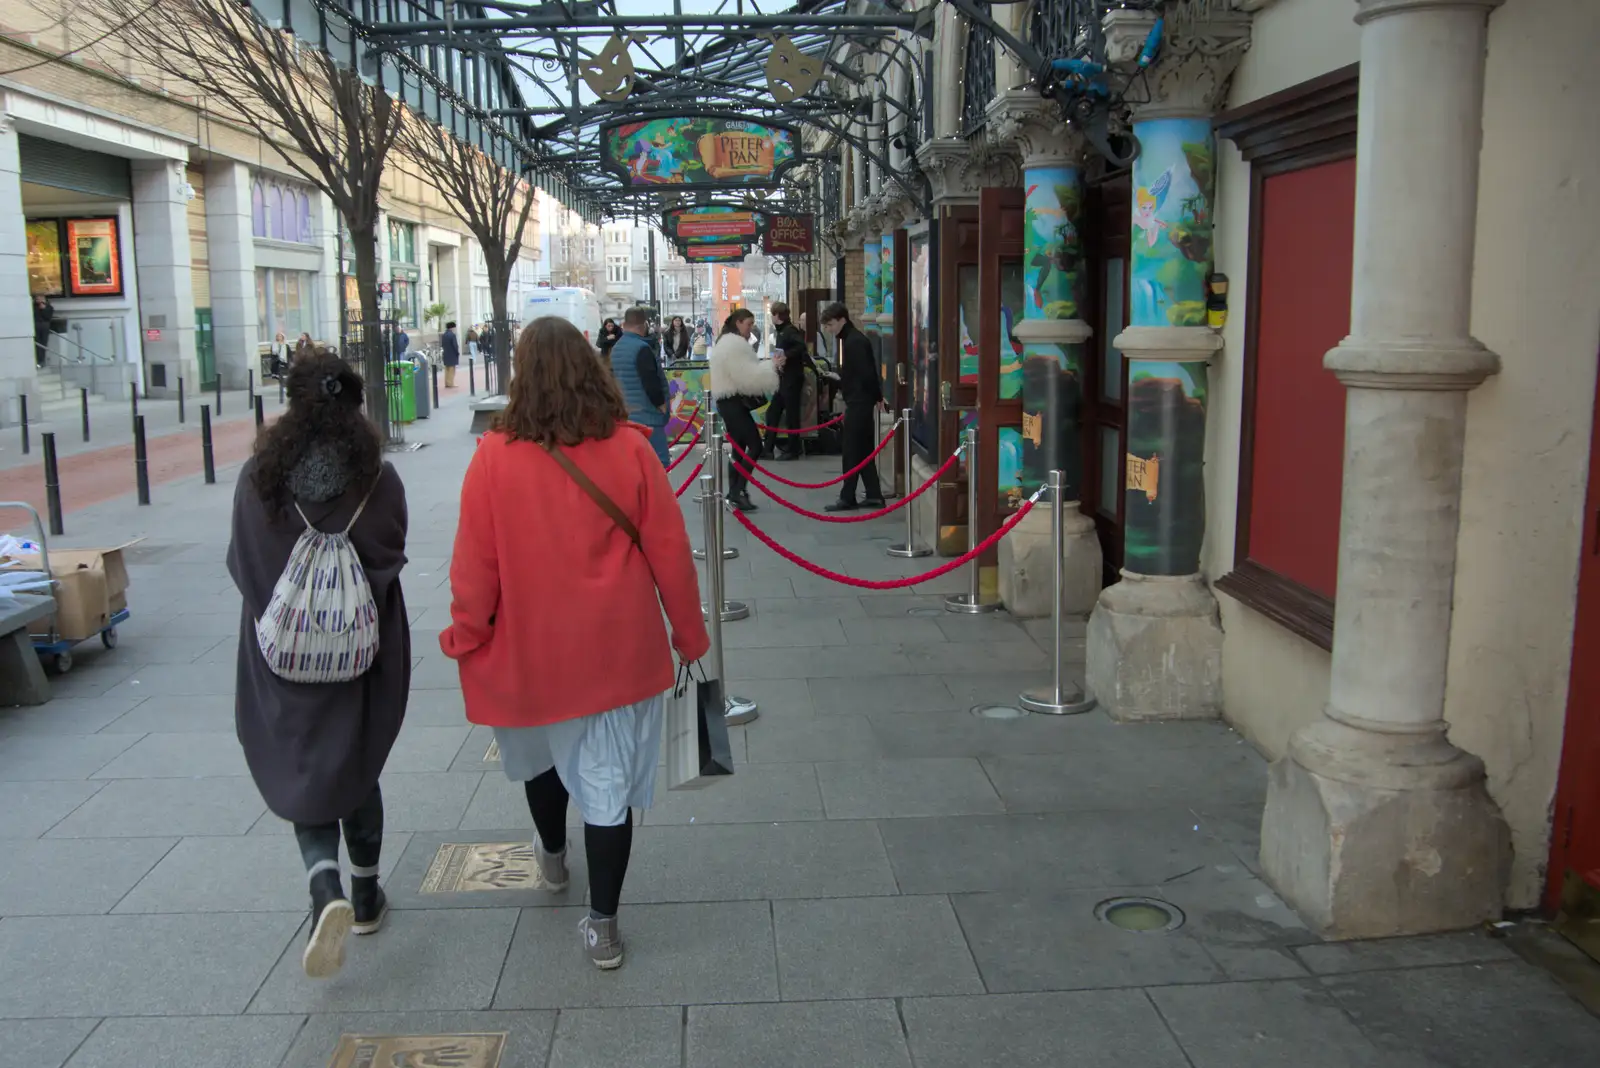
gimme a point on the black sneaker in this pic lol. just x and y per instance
(873, 504)
(842, 506)
(331, 918)
(370, 903)
(743, 502)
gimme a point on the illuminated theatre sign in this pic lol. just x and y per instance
(708, 152)
(712, 223)
(716, 253)
(788, 235)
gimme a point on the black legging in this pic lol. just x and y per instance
(743, 432)
(785, 411)
(606, 848)
(363, 837)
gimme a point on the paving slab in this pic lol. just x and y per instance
(32, 808)
(64, 715)
(525, 1043)
(620, 1038)
(32, 758)
(775, 793)
(758, 861)
(189, 1042)
(42, 1043)
(1088, 1029)
(880, 947)
(884, 789)
(819, 1034)
(132, 808)
(74, 876)
(1268, 1025)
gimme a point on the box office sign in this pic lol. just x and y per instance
(788, 235)
(698, 151)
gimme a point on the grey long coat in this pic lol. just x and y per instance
(315, 750)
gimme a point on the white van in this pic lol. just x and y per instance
(576, 305)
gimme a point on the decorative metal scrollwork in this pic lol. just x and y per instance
(978, 86)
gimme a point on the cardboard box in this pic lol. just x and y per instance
(92, 586)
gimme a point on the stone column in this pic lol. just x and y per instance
(1375, 824)
(1154, 643)
(230, 237)
(1053, 333)
(162, 259)
(16, 308)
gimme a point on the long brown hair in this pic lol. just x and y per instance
(560, 391)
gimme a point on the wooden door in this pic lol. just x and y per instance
(1574, 883)
(812, 301)
(958, 362)
(1105, 426)
(1000, 296)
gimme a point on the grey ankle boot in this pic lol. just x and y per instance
(601, 941)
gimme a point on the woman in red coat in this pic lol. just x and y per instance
(570, 545)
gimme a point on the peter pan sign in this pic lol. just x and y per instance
(698, 151)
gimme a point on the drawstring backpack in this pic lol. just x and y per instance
(321, 624)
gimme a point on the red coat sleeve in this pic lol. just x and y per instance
(474, 565)
(665, 542)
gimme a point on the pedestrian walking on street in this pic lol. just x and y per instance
(316, 750)
(43, 312)
(474, 350)
(863, 396)
(610, 334)
(644, 384)
(784, 411)
(450, 354)
(280, 356)
(741, 382)
(679, 343)
(565, 503)
(306, 349)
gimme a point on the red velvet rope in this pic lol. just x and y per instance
(880, 513)
(690, 447)
(835, 421)
(690, 480)
(887, 438)
(891, 584)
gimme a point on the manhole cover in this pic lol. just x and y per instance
(929, 612)
(997, 712)
(1139, 914)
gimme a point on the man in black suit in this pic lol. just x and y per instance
(784, 408)
(863, 395)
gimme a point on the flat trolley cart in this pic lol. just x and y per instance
(53, 649)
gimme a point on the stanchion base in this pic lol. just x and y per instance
(909, 552)
(729, 553)
(1045, 700)
(731, 610)
(740, 710)
(964, 604)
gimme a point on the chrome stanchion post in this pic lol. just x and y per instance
(715, 461)
(710, 504)
(1058, 699)
(971, 602)
(715, 550)
(910, 550)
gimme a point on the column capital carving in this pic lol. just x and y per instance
(848, 229)
(1033, 126)
(1197, 58)
(1412, 363)
(1373, 9)
(957, 168)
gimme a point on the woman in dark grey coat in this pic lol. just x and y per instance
(316, 750)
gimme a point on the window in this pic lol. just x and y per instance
(402, 242)
(403, 302)
(285, 303)
(1300, 145)
(618, 269)
(280, 211)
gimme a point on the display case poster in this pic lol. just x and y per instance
(922, 426)
(788, 235)
(698, 151)
(45, 276)
(94, 259)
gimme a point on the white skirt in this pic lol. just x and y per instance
(606, 761)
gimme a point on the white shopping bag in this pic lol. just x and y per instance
(698, 751)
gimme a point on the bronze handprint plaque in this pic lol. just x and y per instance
(465, 866)
(475, 1050)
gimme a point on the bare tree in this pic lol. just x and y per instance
(334, 127)
(492, 201)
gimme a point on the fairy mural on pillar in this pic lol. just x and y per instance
(1013, 291)
(1165, 496)
(872, 276)
(1174, 183)
(1054, 250)
(886, 276)
(1052, 372)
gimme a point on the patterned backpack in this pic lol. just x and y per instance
(321, 624)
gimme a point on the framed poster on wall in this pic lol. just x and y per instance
(46, 276)
(94, 257)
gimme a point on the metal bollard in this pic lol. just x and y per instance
(280, 388)
(261, 415)
(250, 378)
(83, 401)
(909, 550)
(731, 610)
(434, 369)
(141, 460)
(22, 403)
(1057, 699)
(472, 378)
(133, 403)
(180, 400)
(971, 602)
(52, 484)
(219, 394)
(205, 444)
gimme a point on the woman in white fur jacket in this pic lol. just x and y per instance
(740, 383)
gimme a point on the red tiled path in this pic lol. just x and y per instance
(105, 474)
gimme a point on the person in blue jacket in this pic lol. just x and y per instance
(644, 383)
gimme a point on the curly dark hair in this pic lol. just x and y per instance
(324, 409)
(560, 392)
